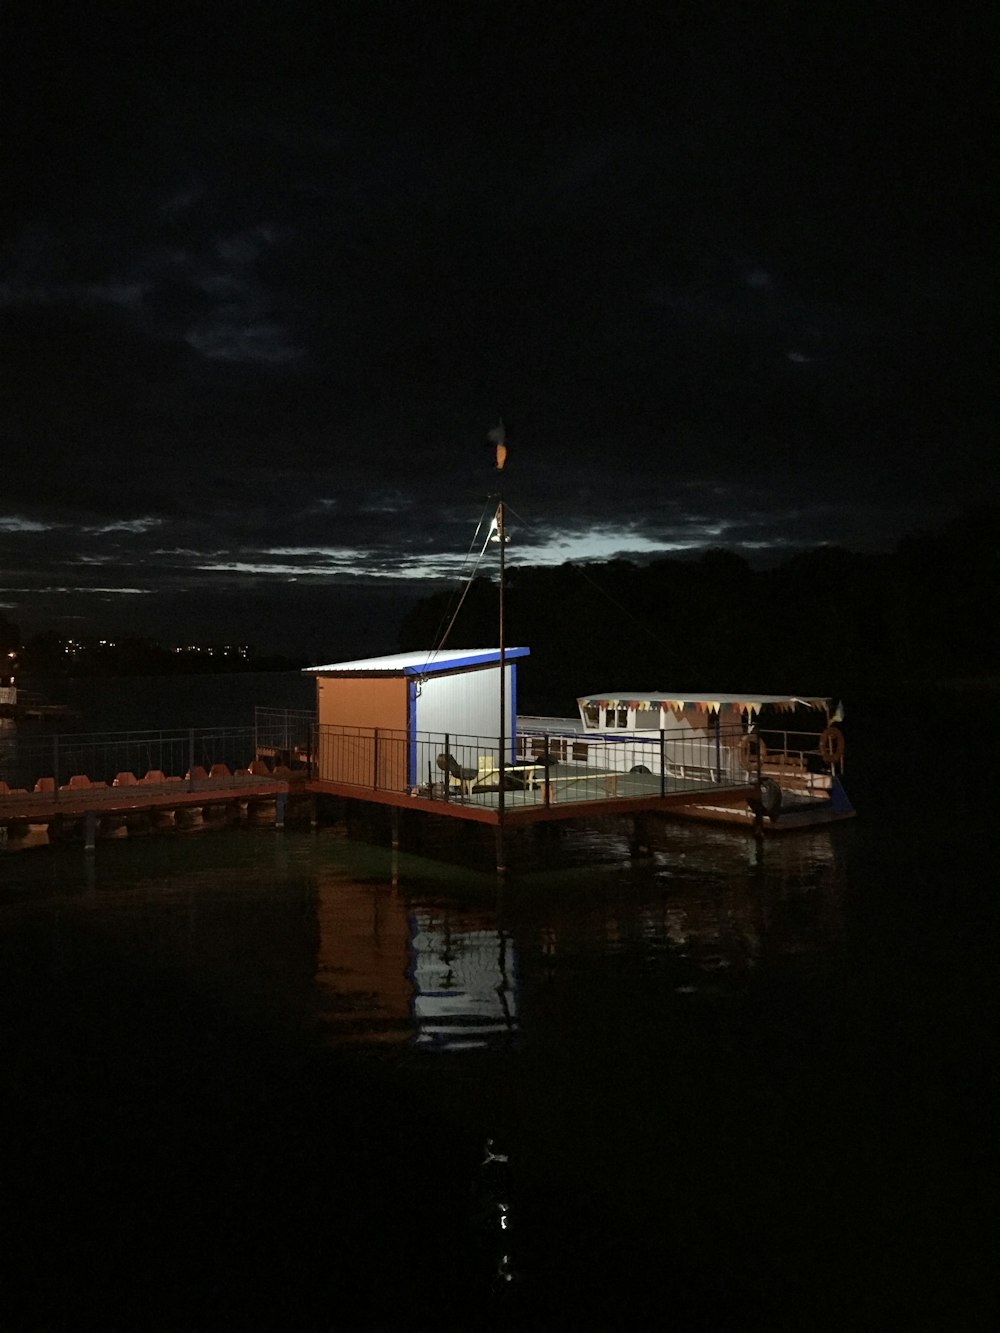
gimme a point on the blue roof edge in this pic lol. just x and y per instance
(493, 655)
(426, 668)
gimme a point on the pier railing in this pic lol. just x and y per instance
(32, 764)
(439, 766)
(537, 768)
(801, 759)
(284, 735)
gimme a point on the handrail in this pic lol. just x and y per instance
(449, 766)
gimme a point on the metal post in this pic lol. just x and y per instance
(548, 785)
(90, 831)
(375, 757)
(55, 766)
(447, 771)
(663, 762)
(718, 751)
(191, 759)
(501, 855)
(280, 802)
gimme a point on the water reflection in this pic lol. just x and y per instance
(689, 1101)
(492, 1217)
(462, 972)
(730, 906)
(361, 968)
(700, 914)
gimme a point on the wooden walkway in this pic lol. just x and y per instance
(557, 798)
(75, 803)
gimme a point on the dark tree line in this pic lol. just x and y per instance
(45, 655)
(826, 621)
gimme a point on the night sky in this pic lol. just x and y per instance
(272, 271)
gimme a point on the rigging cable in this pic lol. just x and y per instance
(442, 638)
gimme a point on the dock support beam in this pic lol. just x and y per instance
(280, 801)
(639, 844)
(90, 831)
(394, 862)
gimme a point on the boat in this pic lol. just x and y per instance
(788, 748)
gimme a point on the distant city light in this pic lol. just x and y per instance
(78, 647)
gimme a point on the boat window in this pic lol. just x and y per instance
(591, 715)
(616, 717)
(647, 719)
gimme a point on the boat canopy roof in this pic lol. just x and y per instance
(705, 703)
(425, 662)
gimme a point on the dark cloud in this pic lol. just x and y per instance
(271, 273)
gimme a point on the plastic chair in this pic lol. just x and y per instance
(457, 775)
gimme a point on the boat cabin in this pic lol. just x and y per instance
(645, 712)
(708, 731)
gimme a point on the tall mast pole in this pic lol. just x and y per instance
(503, 694)
(498, 436)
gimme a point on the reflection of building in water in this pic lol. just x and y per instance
(463, 982)
(388, 973)
(364, 936)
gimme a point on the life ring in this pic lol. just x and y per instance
(750, 747)
(831, 746)
(766, 800)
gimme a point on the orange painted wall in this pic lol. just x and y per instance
(343, 701)
(373, 702)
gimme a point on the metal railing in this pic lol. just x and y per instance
(718, 755)
(284, 734)
(796, 758)
(50, 763)
(538, 768)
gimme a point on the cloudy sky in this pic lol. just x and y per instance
(272, 271)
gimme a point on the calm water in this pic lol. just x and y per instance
(249, 1077)
(143, 703)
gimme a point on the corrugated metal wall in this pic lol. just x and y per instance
(466, 704)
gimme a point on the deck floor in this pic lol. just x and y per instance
(569, 797)
(40, 807)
